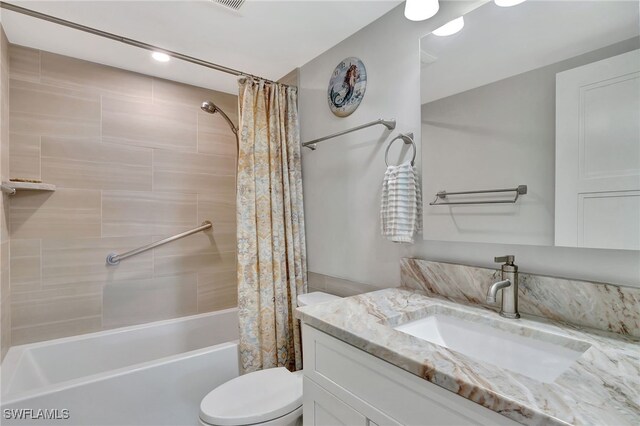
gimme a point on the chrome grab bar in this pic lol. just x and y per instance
(389, 124)
(114, 259)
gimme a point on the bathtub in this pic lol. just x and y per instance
(152, 374)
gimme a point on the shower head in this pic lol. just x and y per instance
(210, 107)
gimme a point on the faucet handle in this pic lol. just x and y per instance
(508, 259)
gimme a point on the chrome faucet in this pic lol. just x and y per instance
(509, 287)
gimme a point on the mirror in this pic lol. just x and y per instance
(543, 94)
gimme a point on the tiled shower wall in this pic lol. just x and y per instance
(5, 304)
(134, 159)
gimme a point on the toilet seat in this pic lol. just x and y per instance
(258, 397)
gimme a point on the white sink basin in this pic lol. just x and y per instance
(539, 355)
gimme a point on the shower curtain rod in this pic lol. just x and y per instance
(128, 41)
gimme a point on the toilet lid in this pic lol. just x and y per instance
(253, 398)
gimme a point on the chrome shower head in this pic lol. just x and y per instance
(209, 107)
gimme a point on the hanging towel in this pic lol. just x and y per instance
(401, 209)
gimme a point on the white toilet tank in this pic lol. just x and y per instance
(315, 297)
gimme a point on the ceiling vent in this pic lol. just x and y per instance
(234, 5)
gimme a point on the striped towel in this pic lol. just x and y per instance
(401, 210)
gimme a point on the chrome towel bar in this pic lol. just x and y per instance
(114, 259)
(389, 124)
(520, 190)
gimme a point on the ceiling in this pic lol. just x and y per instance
(265, 38)
(498, 42)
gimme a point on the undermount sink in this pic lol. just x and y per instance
(539, 355)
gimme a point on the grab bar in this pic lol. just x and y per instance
(114, 259)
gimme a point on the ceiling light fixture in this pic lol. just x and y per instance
(419, 10)
(450, 27)
(160, 56)
(507, 3)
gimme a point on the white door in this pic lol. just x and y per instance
(598, 154)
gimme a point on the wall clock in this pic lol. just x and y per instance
(347, 86)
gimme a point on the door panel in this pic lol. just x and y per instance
(598, 154)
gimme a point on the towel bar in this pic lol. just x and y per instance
(520, 190)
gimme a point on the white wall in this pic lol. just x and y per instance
(342, 178)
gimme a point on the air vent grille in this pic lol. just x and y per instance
(230, 4)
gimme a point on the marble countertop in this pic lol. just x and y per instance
(601, 388)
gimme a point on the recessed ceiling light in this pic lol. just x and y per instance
(160, 57)
(507, 3)
(450, 27)
(419, 10)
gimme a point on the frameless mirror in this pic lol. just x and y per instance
(544, 94)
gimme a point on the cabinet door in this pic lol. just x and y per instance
(598, 154)
(323, 409)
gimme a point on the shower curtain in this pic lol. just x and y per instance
(270, 220)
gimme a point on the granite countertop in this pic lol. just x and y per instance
(601, 388)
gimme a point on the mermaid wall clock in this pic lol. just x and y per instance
(347, 86)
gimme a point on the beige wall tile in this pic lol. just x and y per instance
(24, 156)
(217, 290)
(81, 164)
(222, 186)
(193, 163)
(5, 288)
(165, 91)
(215, 136)
(140, 301)
(193, 173)
(71, 123)
(70, 72)
(4, 217)
(5, 323)
(56, 312)
(71, 291)
(221, 211)
(25, 63)
(83, 261)
(151, 125)
(147, 213)
(37, 333)
(50, 310)
(218, 240)
(193, 260)
(65, 213)
(47, 110)
(25, 265)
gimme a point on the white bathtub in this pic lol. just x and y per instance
(153, 374)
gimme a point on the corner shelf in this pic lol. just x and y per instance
(11, 187)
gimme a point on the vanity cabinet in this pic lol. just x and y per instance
(344, 385)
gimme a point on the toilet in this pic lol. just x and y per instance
(270, 397)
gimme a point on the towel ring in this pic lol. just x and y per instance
(408, 139)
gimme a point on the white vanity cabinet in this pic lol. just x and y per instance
(344, 385)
